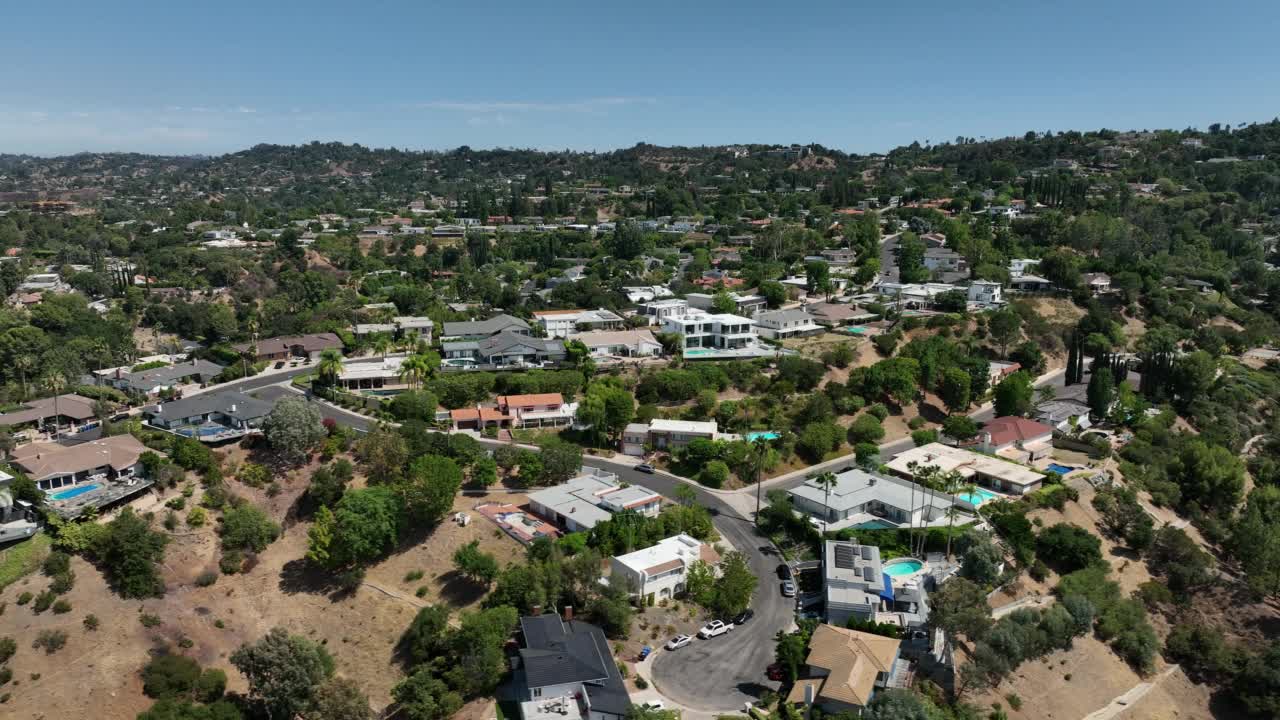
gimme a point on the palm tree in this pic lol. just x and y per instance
(56, 381)
(754, 466)
(415, 369)
(24, 364)
(952, 482)
(826, 481)
(330, 366)
(409, 341)
(381, 345)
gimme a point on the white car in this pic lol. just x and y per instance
(678, 642)
(714, 628)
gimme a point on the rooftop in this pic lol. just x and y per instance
(226, 402)
(1009, 429)
(44, 460)
(966, 462)
(683, 426)
(70, 405)
(853, 661)
(856, 487)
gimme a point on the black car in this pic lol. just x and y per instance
(644, 468)
(784, 571)
(744, 616)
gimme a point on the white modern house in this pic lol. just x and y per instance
(707, 330)
(660, 572)
(862, 499)
(783, 324)
(975, 467)
(986, 293)
(590, 498)
(659, 310)
(670, 435)
(563, 323)
(859, 585)
(619, 343)
(745, 305)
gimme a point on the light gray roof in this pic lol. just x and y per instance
(793, 315)
(856, 487)
(507, 341)
(482, 328)
(148, 379)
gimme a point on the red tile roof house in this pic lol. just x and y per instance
(537, 410)
(1016, 438)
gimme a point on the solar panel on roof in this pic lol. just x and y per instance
(844, 557)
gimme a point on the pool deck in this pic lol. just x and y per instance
(109, 492)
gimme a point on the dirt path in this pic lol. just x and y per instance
(1125, 701)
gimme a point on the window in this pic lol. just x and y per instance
(537, 692)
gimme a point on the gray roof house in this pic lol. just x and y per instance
(565, 671)
(1059, 412)
(506, 348)
(209, 417)
(156, 379)
(477, 329)
(857, 584)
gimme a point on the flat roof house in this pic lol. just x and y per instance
(676, 434)
(537, 410)
(995, 473)
(659, 310)
(620, 343)
(283, 348)
(859, 585)
(986, 293)
(660, 572)
(566, 672)
(563, 323)
(706, 330)
(861, 498)
(783, 324)
(592, 497)
(371, 374)
(209, 417)
(745, 305)
(478, 329)
(398, 327)
(845, 669)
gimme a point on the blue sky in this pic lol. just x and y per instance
(861, 76)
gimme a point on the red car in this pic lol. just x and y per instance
(774, 672)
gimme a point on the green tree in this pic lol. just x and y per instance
(734, 587)
(293, 427)
(865, 429)
(722, 302)
(1013, 395)
(329, 367)
(247, 527)
(429, 489)
(384, 454)
(128, 552)
(284, 671)
(1005, 327)
(339, 699)
(1068, 547)
(366, 525)
(1101, 392)
(960, 606)
(954, 390)
(422, 696)
(428, 635)
(475, 564)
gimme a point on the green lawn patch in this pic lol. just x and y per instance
(23, 558)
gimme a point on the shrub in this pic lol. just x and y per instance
(5, 675)
(8, 646)
(714, 474)
(924, 437)
(24, 598)
(1015, 702)
(61, 606)
(413, 576)
(51, 641)
(915, 423)
(879, 411)
(641, 683)
(196, 517)
(62, 583)
(176, 503)
(56, 563)
(91, 622)
(170, 676)
(206, 578)
(231, 562)
(148, 620)
(866, 428)
(211, 685)
(43, 601)
(1068, 547)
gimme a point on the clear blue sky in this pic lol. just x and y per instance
(180, 77)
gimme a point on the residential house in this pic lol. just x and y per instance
(1018, 266)
(944, 260)
(1097, 283)
(399, 327)
(993, 472)
(565, 671)
(837, 314)
(619, 343)
(913, 296)
(563, 323)
(19, 519)
(69, 413)
(372, 374)
(58, 468)
(718, 278)
(783, 324)
(478, 329)
(590, 498)
(701, 329)
(859, 498)
(151, 382)
(845, 669)
(744, 305)
(537, 410)
(209, 417)
(292, 346)
(859, 585)
(986, 293)
(659, 310)
(1026, 282)
(839, 256)
(998, 370)
(660, 572)
(934, 240)
(507, 349)
(1016, 438)
(662, 434)
(646, 293)
(1064, 415)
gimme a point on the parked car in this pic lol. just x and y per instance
(678, 642)
(788, 589)
(653, 705)
(279, 364)
(644, 468)
(714, 628)
(774, 672)
(744, 616)
(784, 571)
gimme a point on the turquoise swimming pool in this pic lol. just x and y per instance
(695, 352)
(73, 492)
(874, 525)
(855, 330)
(904, 567)
(762, 435)
(978, 497)
(1060, 469)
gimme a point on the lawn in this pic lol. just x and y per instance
(23, 558)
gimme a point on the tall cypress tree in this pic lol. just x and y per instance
(1072, 351)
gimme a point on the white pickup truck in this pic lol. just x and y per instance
(714, 628)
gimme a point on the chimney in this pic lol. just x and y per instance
(537, 610)
(233, 407)
(568, 613)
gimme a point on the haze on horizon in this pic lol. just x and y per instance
(80, 76)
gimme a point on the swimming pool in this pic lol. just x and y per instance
(855, 330)
(899, 568)
(762, 435)
(1060, 469)
(874, 525)
(978, 497)
(73, 492)
(694, 352)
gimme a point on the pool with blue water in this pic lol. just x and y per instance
(73, 492)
